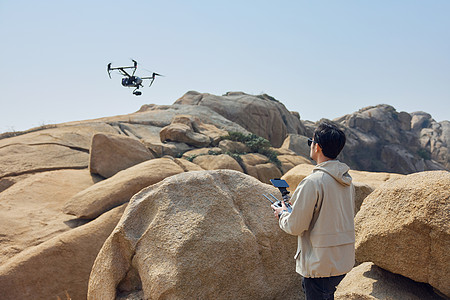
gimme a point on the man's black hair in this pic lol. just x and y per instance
(330, 138)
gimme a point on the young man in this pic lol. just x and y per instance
(322, 217)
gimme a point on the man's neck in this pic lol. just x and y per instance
(322, 158)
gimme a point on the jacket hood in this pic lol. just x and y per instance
(337, 170)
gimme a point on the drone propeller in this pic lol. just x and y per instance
(152, 78)
(109, 70)
(135, 66)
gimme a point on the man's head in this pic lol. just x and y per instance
(329, 139)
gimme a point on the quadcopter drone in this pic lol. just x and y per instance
(131, 80)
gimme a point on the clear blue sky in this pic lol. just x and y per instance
(320, 58)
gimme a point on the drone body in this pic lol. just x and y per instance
(131, 80)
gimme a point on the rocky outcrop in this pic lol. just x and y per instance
(118, 189)
(30, 210)
(178, 241)
(111, 153)
(434, 137)
(262, 115)
(367, 281)
(64, 147)
(59, 266)
(381, 139)
(404, 227)
(181, 130)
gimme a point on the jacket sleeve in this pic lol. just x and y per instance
(306, 196)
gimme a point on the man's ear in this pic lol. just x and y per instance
(317, 148)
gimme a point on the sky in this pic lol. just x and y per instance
(321, 58)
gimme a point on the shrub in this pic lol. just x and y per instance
(256, 144)
(424, 154)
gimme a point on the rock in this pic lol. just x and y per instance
(60, 147)
(7, 182)
(389, 140)
(23, 159)
(367, 281)
(216, 162)
(404, 227)
(264, 172)
(73, 136)
(186, 165)
(181, 130)
(233, 147)
(202, 151)
(178, 241)
(297, 143)
(258, 166)
(434, 138)
(58, 266)
(282, 151)
(30, 210)
(290, 161)
(210, 130)
(362, 190)
(118, 189)
(173, 149)
(262, 115)
(420, 120)
(162, 115)
(253, 159)
(110, 154)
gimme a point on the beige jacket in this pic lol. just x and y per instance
(322, 218)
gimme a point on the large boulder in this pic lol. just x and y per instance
(369, 282)
(262, 115)
(111, 153)
(60, 266)
(404, 227)
(198, 235)
(30, 210)
(118, 189)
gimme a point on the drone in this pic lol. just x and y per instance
(131, 80)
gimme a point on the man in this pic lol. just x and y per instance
(322, 217)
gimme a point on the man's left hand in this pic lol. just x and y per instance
(277, 210)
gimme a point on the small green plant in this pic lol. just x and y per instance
(191, 157)
(212, 152)
(423, 153)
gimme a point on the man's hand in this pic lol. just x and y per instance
(277, 210)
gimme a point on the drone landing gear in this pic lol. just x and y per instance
(137, 92)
